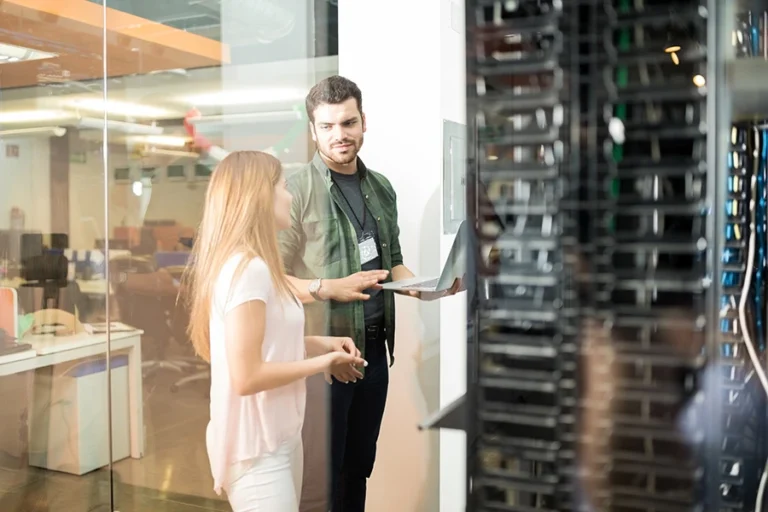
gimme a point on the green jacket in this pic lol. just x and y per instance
(322, 243)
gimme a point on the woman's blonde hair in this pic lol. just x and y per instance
(238, 218)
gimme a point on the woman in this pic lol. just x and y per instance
(247, 322)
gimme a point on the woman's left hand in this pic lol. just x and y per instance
(345, 372)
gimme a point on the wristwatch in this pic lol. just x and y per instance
(314, 289)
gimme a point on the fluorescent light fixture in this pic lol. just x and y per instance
(160, 140)
(245, 97)
(10, 53)
(52, 131)
(94, 123)
(31, 116)
(118, 108)
(169, 152)
(253, 117)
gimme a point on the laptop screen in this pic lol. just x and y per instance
(456, 265)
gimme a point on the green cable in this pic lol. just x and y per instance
(620, 111)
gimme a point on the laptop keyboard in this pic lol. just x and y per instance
(425, 284)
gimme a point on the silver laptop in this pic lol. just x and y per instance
(455, 268)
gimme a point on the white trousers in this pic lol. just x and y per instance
(272, 483)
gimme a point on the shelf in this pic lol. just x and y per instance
(748, 80)
(452, 416)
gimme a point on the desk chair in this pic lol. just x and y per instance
(179, 326)
(148, 311)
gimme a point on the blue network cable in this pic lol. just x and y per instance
(735, 236)
(760, 229)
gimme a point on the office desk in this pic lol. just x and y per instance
(51, 350)
(87, 287)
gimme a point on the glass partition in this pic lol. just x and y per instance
(54, 422)
(101, 191)
(209, 76)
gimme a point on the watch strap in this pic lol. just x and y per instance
(314, 289)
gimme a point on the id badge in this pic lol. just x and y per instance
(368, 250)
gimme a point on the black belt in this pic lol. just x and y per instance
(375, 331)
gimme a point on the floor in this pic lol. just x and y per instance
(173, 476)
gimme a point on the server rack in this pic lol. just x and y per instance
(523, 164)
(612, 373)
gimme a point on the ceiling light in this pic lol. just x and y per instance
(672, 49)
(252, 117)
(119, 108)
(170, 152)
(161, 140)
(94, 123)
(245, 97)
(31, 116)
(675, 58)
(52, 131)
(699, 81)
(11, 53)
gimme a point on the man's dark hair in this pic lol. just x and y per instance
(332, 91)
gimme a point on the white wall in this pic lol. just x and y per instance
(25, 182)
(453, 313)
(409, 65)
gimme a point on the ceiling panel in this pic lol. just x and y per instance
(72, 29)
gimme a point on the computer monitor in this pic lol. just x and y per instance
(115, 244)
(171, 259)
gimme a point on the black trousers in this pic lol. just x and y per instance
(357, 409)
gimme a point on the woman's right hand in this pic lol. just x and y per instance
(336, 359)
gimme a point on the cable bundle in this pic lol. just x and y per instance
(742, 312)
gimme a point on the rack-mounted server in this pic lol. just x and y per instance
(522, 101)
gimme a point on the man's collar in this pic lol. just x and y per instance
(320, 165)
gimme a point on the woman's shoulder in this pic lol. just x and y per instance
(241, 267)
(251, 266)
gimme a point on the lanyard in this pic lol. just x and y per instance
(365, 208)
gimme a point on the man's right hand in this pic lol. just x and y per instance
(350, 288)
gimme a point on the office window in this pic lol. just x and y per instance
(122, 174)
(149, 172)
(203, 171)
(175, 172)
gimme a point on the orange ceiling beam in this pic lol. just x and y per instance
(73, 29)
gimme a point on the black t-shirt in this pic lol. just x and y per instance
(353, 204)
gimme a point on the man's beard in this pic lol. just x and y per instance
(347, 158)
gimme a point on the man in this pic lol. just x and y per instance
(344, 241)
